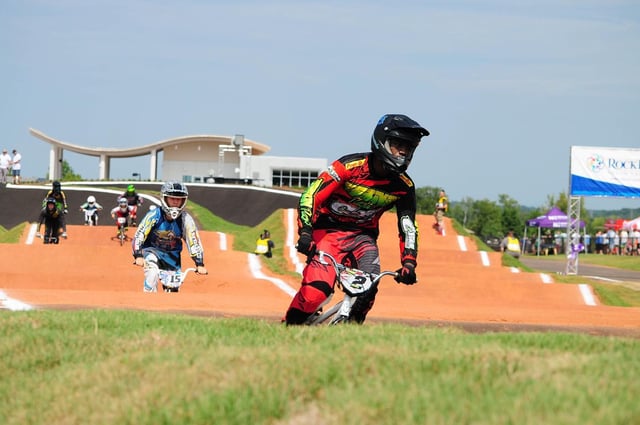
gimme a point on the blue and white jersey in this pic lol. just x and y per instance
(164, 238)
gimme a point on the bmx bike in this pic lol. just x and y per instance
(50, 235)
(172, 280)
(122, 231)
(90, 217)
(352, 282)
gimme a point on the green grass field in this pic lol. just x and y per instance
(122, 367)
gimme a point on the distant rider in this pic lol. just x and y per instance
(157, 244)
(134, 200)
(122, 210)
(61, 202)
(442, 206)
(87, 207)
(51, 217)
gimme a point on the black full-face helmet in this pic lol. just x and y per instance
(401, 128)
(56, 186)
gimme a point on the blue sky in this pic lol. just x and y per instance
(505, 87)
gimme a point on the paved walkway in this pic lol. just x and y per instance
(586, 270)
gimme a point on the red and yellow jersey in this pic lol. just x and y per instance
(349, 197)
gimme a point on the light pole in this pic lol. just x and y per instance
(137, 175)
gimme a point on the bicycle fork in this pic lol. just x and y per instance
(345, 310)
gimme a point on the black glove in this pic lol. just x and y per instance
(407, 274)
(305, 244)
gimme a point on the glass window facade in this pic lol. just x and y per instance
(293, 178)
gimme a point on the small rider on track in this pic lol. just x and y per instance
(51, 217)
(90, 209)
(123, 210)
(157, 244)
(134, 200)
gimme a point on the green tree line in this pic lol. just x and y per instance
(490, 218)
(485, 217)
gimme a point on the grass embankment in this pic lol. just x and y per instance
(12, 235)
(108, 367)
(245, 237)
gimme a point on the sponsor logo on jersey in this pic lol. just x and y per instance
(354, 164)
(369, 197)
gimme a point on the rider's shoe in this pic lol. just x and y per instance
(134, 224)
(64, 235)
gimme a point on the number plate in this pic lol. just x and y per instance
(171, 278)
(355, 282)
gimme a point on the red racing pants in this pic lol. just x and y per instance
(353, 249)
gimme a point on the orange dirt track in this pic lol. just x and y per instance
(456, 287)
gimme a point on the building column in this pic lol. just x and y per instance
(102, 167)
(107, 167)
(55, 163)
(153, 165)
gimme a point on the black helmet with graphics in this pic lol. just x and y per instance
(401, 128)
(173, 189)
(56, 186)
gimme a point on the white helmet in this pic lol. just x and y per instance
(173, 189)
(123, 203)
(91, 199)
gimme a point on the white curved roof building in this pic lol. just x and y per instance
(198, 158)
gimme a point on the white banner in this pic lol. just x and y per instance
(598, 171)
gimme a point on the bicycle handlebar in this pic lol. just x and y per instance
(340, 267)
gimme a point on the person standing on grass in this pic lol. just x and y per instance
(510, 245)
(264, 244)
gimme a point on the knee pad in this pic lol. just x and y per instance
(151, 273)
(307, 301)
